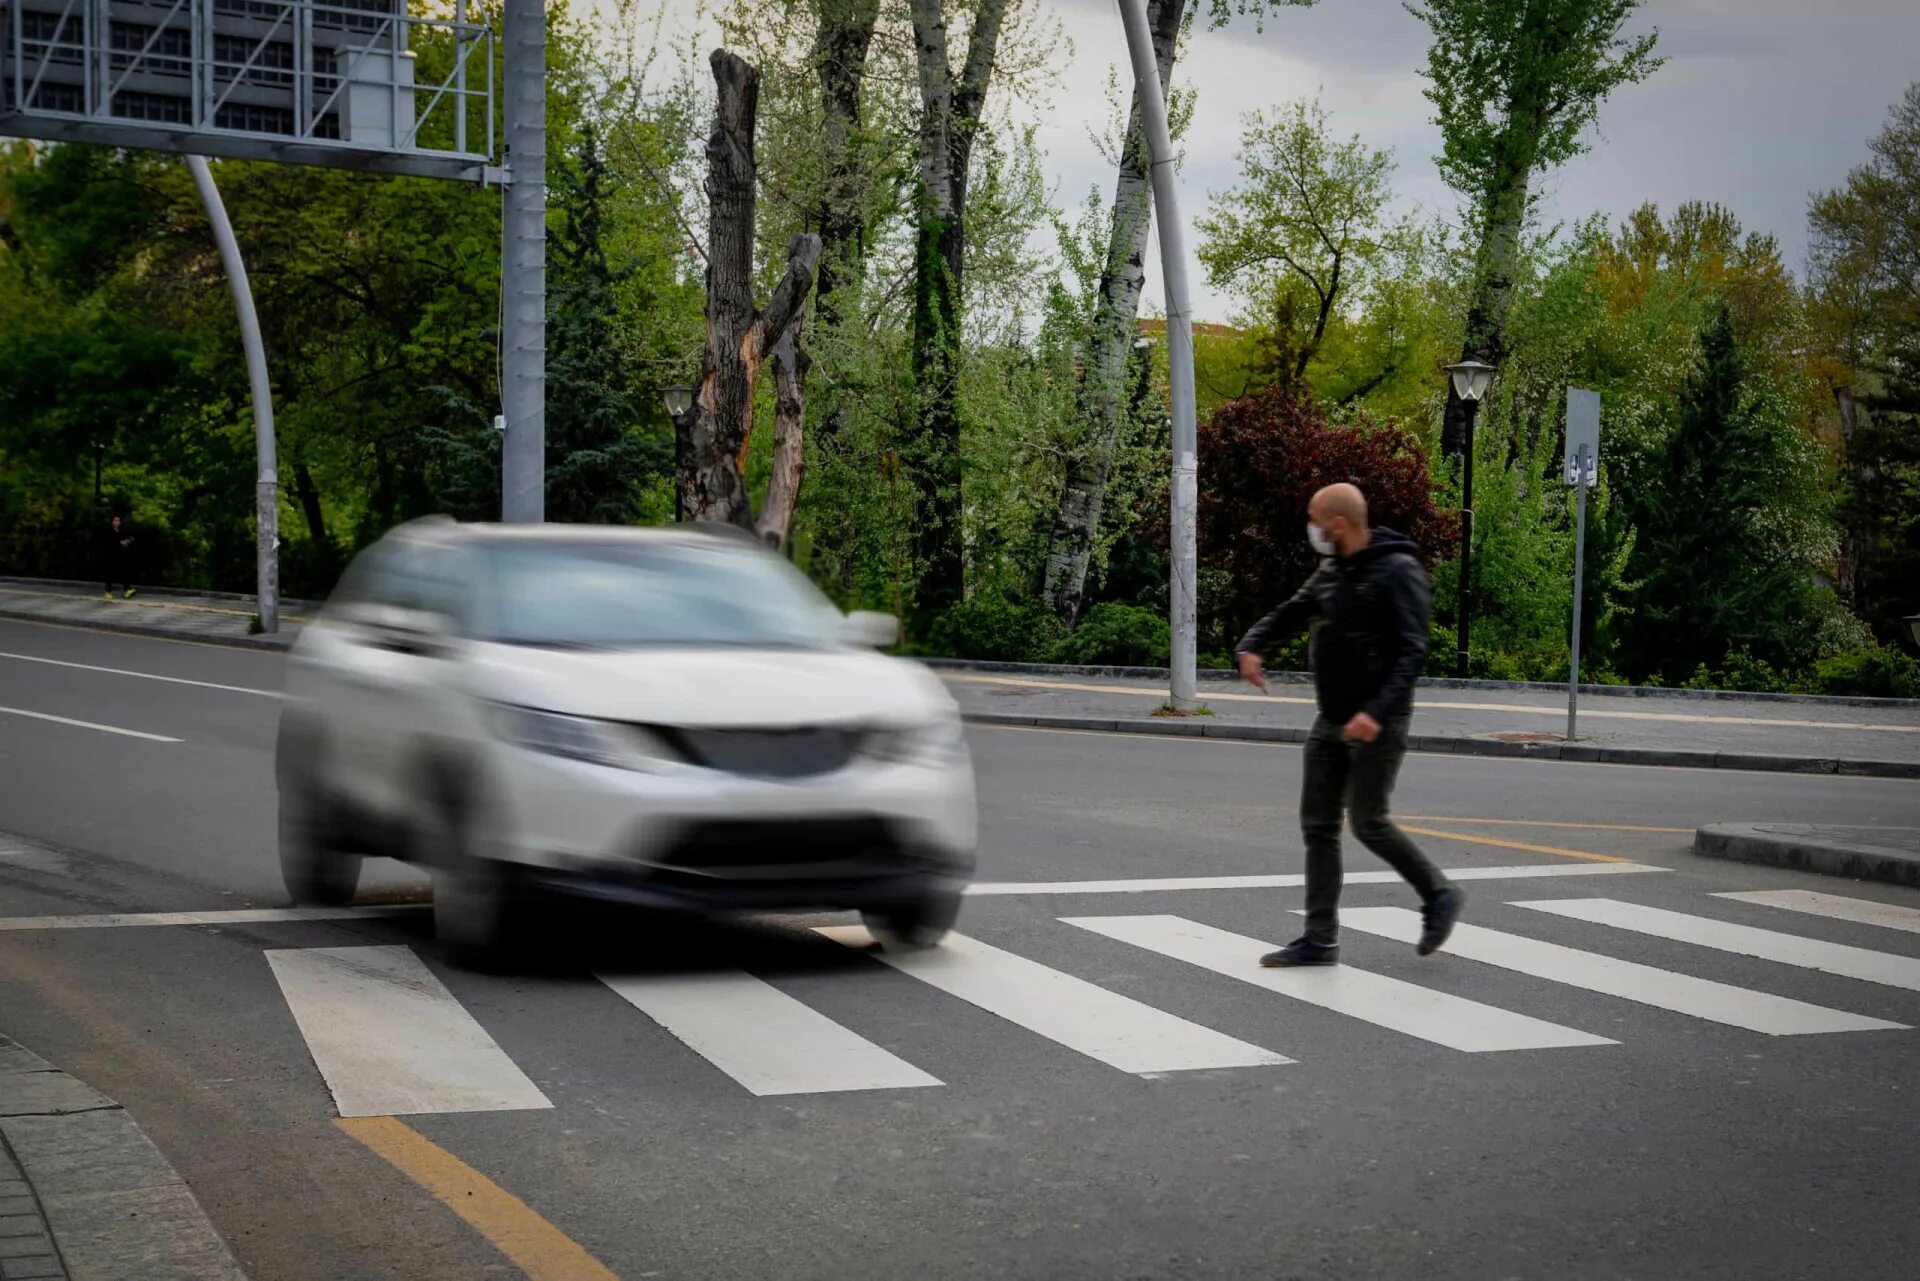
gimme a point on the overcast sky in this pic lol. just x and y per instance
(1761, 103)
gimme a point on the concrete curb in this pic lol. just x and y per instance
(105, 1202)
(277, 643)
(1221, 675)
(1779, 845)
(1462, 745)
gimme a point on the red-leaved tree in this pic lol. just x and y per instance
(1262, 458)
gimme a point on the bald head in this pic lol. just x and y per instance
(1341, 511)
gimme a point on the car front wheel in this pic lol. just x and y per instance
(479, 904)
(917, 923)
(317, 872)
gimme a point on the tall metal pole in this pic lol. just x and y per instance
(266, 483)
(1173, 270)
(1579, 582)
(523, 265)
(1466, 546)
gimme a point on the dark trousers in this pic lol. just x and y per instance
(1357, 779)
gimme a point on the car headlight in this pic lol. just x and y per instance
(582, 738)
(935, 743)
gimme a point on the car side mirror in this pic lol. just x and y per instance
(405, 631)
(868, 628)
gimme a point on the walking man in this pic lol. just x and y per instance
(116, 546)
(1368, 605)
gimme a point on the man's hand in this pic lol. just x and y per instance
(1362, 728)
(1250, 666)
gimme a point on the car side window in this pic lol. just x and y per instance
(436, 580)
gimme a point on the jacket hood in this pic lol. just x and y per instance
(1387, 542)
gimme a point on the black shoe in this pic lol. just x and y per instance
(1302, 952)
(1439, 917)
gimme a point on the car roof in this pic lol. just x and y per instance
(443, 529)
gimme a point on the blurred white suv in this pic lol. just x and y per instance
(671, 718)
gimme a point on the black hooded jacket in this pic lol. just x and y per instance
(1369, 612)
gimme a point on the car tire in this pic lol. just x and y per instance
(317, 872)
(479, 903)
(915, 924)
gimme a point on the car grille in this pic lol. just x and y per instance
(768, 753)
(744, 843)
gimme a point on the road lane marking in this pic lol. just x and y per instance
(145, 676)
(1440, 704)
(1289, 880)
(1745, 940)
(1497, 843)
(104, 729)
(1859, 910)
(388, 1037)
(761, 1037)
(1627, 980)
(1541, 822)
(1117, 1030)
(1439, 1017)
(223, 916)
(510, 1225)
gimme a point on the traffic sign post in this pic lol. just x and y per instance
(1581, 469)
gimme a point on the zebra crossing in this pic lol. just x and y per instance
(389, 1038)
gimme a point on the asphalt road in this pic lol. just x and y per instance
(1639, 1141)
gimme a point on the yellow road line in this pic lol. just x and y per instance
(1541, 822)
(1437, 703)
(146, 604)
(1514, 845)
(514, 1228)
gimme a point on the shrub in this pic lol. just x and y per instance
(1742, 671)
(1879, 672)
(1120, 636)
(995, 628)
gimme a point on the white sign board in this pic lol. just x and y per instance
(1583, 437)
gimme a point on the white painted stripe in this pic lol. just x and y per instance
(390, 1040)
(1768, 945)
(1294, 880)
(763, 1038)
(1628, 980)
(228, 916)
(145, 676)
(1115, 1029)
(104, 729)
(1859, 910)
(1446, 1020)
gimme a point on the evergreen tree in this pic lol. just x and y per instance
(1728, 553)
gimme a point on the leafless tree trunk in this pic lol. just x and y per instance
(840, 54)
(790, 363)
(1102, 399)
(1492, 298)
(738, 336)
(950, 110)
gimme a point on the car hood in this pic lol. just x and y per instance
(713, 688)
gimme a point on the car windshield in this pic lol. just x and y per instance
(607, 595)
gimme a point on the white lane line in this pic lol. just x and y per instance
(1859, 910)
(145, 676)
(227, 916)
(1745, 940)
(1294, 880)
(1627, 980)
(761, 1037)
(390, 1040)
(1117, 1030)
(104, 729)
(1444, 1019)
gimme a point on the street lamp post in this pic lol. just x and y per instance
(1470, 380)
(679, 400)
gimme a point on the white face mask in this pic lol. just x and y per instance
(1321, 543)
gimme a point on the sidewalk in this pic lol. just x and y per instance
(84, 1194)
(218, 618)
(1805, 736)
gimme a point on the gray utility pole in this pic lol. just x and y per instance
(523, 266)
(1582, 472)
(266, 487)
(1173, 270)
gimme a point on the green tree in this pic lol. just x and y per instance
(1515, 85)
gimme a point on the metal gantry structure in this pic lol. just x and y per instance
(367, 85)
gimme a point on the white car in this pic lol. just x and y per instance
(672, 718)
